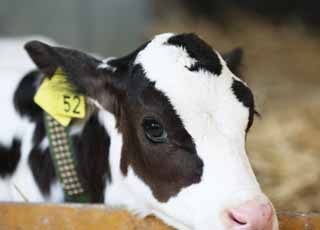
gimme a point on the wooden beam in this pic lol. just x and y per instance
(26, 216)
(299, 221)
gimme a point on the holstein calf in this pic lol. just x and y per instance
(168, 137)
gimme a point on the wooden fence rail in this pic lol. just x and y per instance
(15, 216)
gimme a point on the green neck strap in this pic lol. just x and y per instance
(64, 160)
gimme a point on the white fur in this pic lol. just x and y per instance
(44, 144)
(5, 193)
(56, 193)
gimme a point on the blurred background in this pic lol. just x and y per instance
(281, 43)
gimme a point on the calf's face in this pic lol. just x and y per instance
(183, 117)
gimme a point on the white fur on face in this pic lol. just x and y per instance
(216, 120)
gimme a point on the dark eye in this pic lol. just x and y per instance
(154, 130)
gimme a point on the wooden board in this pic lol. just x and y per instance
(299, 221)
(24, 216)
(14, 216)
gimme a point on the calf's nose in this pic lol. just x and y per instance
(252, 215)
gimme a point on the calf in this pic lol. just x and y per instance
(167, 136)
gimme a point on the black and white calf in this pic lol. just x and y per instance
(167, 136)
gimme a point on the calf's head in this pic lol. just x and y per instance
(183, 117)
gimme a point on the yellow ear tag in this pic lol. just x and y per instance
(55, 96)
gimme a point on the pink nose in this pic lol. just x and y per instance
(251, 215)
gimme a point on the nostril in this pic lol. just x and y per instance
(237, 218)
(253, 214)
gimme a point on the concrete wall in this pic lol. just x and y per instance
(109, 27)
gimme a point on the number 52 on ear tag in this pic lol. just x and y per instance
(56, 98)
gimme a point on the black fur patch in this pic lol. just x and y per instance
(92, 148)
(42, 169)
(40, 161)
(24, 94)
(245, 96)
(39, 132)
(196, 48)
(9, 158)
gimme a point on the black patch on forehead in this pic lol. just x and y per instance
(245, 96)
(196, 48)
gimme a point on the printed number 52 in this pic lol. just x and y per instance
(71, 104)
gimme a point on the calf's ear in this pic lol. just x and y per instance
(234, 60)
(82, 70)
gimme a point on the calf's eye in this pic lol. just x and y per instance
(154, 130)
